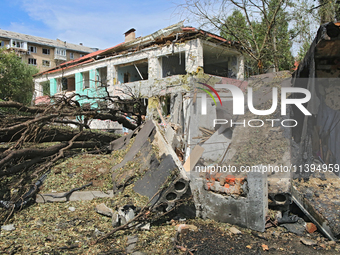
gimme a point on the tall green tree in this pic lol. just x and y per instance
(16, 81)
(274, 44)
(265, 29)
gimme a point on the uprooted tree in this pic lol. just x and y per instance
(34, 138)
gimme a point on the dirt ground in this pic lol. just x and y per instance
(73, 227)
(54, 229)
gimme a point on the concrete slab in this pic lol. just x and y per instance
(141, 139)
(155, 178)
(75, 196)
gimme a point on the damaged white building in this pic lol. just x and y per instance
(161, 66)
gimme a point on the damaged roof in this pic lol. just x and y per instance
(44, 41)
(162, 36)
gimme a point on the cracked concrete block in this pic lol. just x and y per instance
(246, 209)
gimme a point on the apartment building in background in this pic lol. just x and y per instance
(42, 52)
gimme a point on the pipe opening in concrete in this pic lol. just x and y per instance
(171, 196)
(179, 186)
(280, 198)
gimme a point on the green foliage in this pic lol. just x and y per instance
(269, 43)
(235, 24)
(328, 10)
(303, 50)
(15, 78)
(46, 88)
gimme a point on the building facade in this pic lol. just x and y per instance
(162, 66)
(41, 52)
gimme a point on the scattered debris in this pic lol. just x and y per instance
(131, 244)
(235, 231)
(307, 241)
(184, 228)
(72, 209)
(75, 196)
(310, 227)
(265, 247)
(104, 210)
(296, 228)
(123, 215)
(68, 194)
(9, 227)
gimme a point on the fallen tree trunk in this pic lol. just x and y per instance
(32, 153)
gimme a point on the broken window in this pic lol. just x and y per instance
(64, 84)
(46, 63)
(19, 44)
(218, 61)
(32, 61)
(173, 64)
(32, 49)
(46, 51)
(101, 77)
(133, 72)
(86, 80)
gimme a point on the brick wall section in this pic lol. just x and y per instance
(224, 183)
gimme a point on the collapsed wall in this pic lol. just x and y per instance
(233, 168)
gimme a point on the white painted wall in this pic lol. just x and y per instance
(193, 55)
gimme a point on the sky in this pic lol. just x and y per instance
(97, 24)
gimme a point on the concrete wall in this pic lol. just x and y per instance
(40, 56)
(191, 58)
(132, 72)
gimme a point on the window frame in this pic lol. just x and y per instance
(49, 63)
(61, 52)
(35, 61)
(33, 47)
(48, 50)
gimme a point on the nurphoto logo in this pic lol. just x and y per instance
(239, 104)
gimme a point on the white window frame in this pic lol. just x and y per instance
(61, 52)
(32, 49)
(71, 55)
(18, 44)
(86, 80)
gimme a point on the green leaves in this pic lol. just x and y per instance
(15, 78)
(267, 37)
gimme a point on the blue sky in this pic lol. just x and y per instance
(99, 23)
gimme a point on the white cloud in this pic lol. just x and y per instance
(98, 23)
